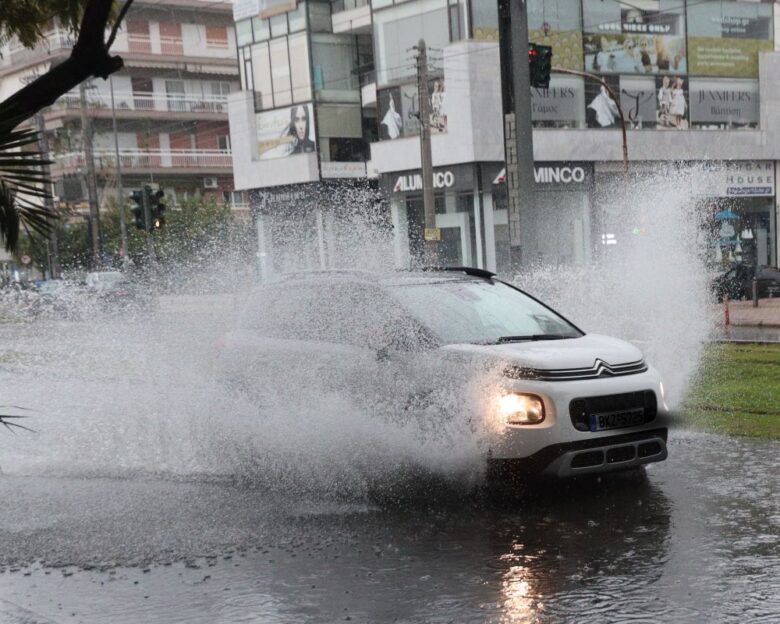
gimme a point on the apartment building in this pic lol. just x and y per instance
(697, 81)
(168, 104)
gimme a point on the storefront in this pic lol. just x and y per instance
(315, 226)
(560, 217)
(459, 215)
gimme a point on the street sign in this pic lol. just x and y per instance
(433, 234)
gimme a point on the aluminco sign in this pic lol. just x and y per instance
(408, 183)
(561, 175)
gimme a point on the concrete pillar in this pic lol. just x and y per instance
(262, 249)
(400, 234)
(490, 231)
(478, 228)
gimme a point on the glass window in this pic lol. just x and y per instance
(724, 38)
(484, 17)
(243, 32)
(261, 64)
(634, 38)
(467, 311)
(319, 17)
(261, 28)
(279, 25)
(280, 72)
(297, 18)
(334, 60)
(557, 23)
(399, 29)
(299, 68)
(562, 105)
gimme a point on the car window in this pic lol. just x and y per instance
(460, 311)
(346, 313)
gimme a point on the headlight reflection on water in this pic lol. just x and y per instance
(520, 601)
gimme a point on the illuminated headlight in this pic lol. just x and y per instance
(521, 409)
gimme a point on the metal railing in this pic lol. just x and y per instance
(150, 159)
(348, 5)
(162, 102)
(53, 40)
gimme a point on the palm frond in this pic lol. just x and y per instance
(24, 186)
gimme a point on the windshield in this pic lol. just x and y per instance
(461, 311)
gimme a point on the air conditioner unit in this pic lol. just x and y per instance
(210, 183)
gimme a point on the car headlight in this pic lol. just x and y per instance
(521, 409)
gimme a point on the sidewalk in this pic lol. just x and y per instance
(767, 314)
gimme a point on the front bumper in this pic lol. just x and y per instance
(572, 459)
(556, 447)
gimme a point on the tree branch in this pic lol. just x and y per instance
(89, 58)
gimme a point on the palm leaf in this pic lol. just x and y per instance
(24, 186)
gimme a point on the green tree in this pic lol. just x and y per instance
(22, 170)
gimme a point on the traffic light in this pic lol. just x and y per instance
(138, 209)
(540, 65)
(156, 208)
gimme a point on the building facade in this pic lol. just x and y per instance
(169, 105)
(697, 82)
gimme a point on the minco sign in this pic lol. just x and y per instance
(561, 175)
(408, 183)
(554, 174)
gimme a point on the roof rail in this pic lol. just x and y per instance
(467, 270)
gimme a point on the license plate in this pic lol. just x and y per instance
(617, 420)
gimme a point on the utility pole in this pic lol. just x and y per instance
(431, 234)
(94, 213)
(518, 129)
(120, 193)
(52, 244)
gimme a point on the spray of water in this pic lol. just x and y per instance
(139, 392)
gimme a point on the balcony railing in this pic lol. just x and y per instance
(151, 159)
(165, 102)
(53, 41)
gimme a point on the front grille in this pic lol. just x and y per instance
(581, 409)
(599, 369)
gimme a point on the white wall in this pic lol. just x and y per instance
(472, 76)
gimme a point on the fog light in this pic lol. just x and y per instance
(521, 409)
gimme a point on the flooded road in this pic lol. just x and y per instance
(696, 538)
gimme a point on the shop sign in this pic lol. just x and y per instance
(742, 178)
(724, 101)
(565, 174)
(343, 170)
(413, 182)
(563, 101)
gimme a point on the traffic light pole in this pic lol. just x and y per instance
(148, 222)
(518, 132)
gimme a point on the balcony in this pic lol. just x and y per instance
(14, 53)
(143, 44)
(151, 160)
(144, 105)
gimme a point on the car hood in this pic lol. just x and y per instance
(554, 354)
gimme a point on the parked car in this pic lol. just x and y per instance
(566, 403)
(737, 282)
(113, 291)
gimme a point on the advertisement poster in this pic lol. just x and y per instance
(557, 23)
(286, 132)
(639, 102)
(391, 122)
(399, 114)
(725, 37)
(646, 38)
(672, 102)
(561, 105)
(719, 103)
(601, 110)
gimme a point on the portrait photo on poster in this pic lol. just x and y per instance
(601, 110)
(391, 123)
(286, 132)
(672, 102)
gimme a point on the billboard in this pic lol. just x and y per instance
(557, 23)
(647, 37)
(724, 38)
(286, 131)
(399, 112)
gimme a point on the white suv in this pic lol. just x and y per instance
(558, 401)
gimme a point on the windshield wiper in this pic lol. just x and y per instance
(533, 337)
